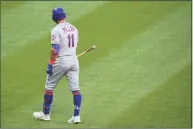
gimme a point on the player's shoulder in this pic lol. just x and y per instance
(72, 25)
(56, 29)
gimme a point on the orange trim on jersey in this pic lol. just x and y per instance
(49, 92)
(76, 93)
(54, 51)
(51, 62)
(54, 54)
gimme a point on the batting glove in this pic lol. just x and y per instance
(49, 69)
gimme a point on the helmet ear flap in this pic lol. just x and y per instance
(53, 19)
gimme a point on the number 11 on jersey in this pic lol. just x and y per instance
(70, 40)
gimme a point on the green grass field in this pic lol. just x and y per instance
(139, 75)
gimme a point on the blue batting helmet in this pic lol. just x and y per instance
(58, 14)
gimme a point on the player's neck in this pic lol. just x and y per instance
(61, 21)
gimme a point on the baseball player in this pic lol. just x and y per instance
(63, 62)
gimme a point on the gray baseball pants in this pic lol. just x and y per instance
(67, 66)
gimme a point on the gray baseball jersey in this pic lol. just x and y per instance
(66, 64)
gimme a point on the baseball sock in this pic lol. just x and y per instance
(48, 97)
(77, 97)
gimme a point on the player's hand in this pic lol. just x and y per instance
(49, 69)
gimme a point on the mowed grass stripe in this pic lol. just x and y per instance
(63, 97)
(139, 67)
(35, 21)
(168, 106)
(9, 6)
(124, 20)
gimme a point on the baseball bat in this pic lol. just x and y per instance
(92, 48)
